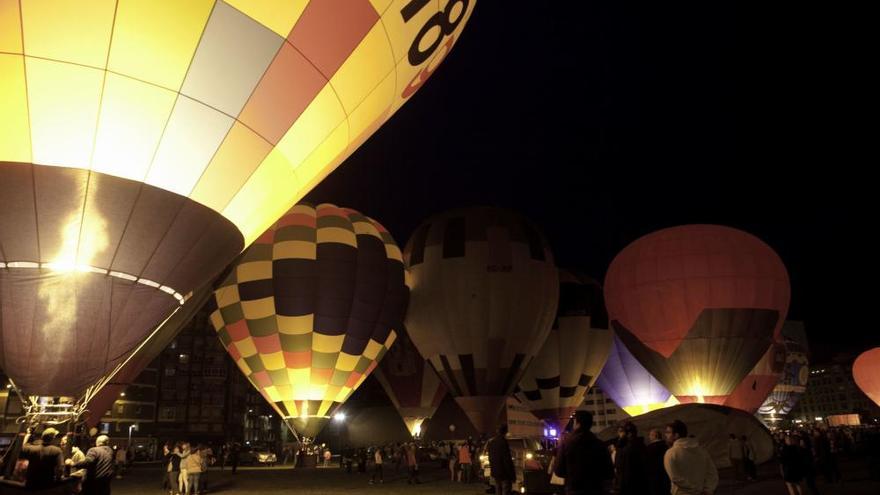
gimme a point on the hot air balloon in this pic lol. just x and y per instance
(866, 373)
(412, 385)
(754, 389)
(698, 306)
(574, 353)
(144, 144)
(310, 309)
(483, 297)
(630, 385)
(793, 383)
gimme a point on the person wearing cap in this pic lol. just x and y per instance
(99, 467)
(45, 461)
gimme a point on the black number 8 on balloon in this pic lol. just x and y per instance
(440, 20)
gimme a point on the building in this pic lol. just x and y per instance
(605, 412)
(202, 396)
(521, 422)
(831, 391)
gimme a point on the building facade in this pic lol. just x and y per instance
(605, 412)
(831, 391)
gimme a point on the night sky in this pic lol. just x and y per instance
(602, 123)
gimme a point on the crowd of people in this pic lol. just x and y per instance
(47, 459)
(186, 468)
(806, 453)
(400, 455)
(668, 461)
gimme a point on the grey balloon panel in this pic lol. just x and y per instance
(711, 425)
(491, 317)
(88, 317)
(716, 354)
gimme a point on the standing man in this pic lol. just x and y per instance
(45, 461)
(234, 451)
(377, 466)
(412, 462)
(500, 462)
(630, 467)
(99, 467)
(689, 466)
(736, 451)
(583, 460)
(658, 480)
(464, 460)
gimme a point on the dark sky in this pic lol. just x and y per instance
(604, 121)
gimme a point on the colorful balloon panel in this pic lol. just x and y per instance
(630, 385)
(698, 306)
(793, 383)
(311, 308)
(558, 378)
(483, 299)
(239, 106)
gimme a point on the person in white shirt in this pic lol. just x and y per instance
(689, 466)
(378, 460)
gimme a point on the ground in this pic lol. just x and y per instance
(146, 479)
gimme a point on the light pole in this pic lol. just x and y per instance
(131, 428)
(339, 419)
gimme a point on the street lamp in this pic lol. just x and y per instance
(130, 429)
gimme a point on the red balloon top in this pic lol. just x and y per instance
(658, 285)
(866, 373)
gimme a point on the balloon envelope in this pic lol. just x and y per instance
(698, 306)
(412, 385)
(793, 383)
(866, 373)
(144, 144)
(310, 308)
(483, 299)
(571, 358)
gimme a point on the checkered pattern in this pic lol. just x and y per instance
(574, 353)
(311, 308)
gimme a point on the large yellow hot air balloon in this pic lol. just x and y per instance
(483, 297)
(311, 308)
(144, 143)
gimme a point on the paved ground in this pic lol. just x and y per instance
(144, 480)
(253, 481)
(770, 482)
